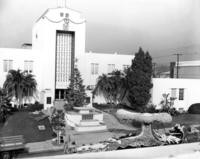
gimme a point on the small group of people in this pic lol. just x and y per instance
(70, 144)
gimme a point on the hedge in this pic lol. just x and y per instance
(194, 108)
(35, 107)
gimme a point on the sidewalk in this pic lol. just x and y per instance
(182, 151)
(45, 146)
(80, 138)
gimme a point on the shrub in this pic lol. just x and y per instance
(35, 107)
(167, 104)
(194, 108)
(174, 112)
(109, 107)
(151, 108)
(58, 119)
(68, 107)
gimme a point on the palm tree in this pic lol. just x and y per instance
(119, 86)
(112, 87)
(20, 85)
(103, 87)
(30, 86)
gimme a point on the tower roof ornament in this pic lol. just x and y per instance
(62, 3)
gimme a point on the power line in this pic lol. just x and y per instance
(169, 55)
(161, 56)
(179, 48)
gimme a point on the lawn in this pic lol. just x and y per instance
(183, 119)
(1, 126)
(22, 123)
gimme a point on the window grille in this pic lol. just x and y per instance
(111, 68)
(94, 68)
(64, 51)
(125, 67)
(87, 116)
(61, 14)
(181, 94)
(173, 92)
(7, 65)
(28, 66)
(48, 100)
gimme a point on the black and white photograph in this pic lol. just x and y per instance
(99, 79)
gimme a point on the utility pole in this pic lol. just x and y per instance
(177, 64)
(154, 69)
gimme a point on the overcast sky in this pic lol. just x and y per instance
(163, 27)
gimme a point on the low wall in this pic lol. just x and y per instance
(75, 118)
(98, 117)
(72, 119)
(182, 151)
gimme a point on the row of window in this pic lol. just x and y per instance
(66, 15)
(111, 67)
(8, 65)
(180, 93)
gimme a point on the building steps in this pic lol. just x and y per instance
(89, 122)
(59, 104)
(81, 128)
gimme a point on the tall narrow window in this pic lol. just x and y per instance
(64, 58)
(10, 64)
(111, 68)
(7, 65)
(173, 92)
(181, 94)
(125, 67)
(48, 100)
(94, 68)
(28, 66)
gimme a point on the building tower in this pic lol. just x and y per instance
(61, 3)
(59, 35)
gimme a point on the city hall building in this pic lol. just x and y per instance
(58, 46)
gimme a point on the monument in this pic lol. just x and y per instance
(84, 119)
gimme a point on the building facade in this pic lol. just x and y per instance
(58, 45)
(185, 91)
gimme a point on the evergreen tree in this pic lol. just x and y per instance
(76, 92)
(5, 105)
(139, 77)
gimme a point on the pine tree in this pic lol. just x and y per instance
(139, 77)
(76, 92)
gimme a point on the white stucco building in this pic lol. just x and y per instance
(185, 91)
(58, 45)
